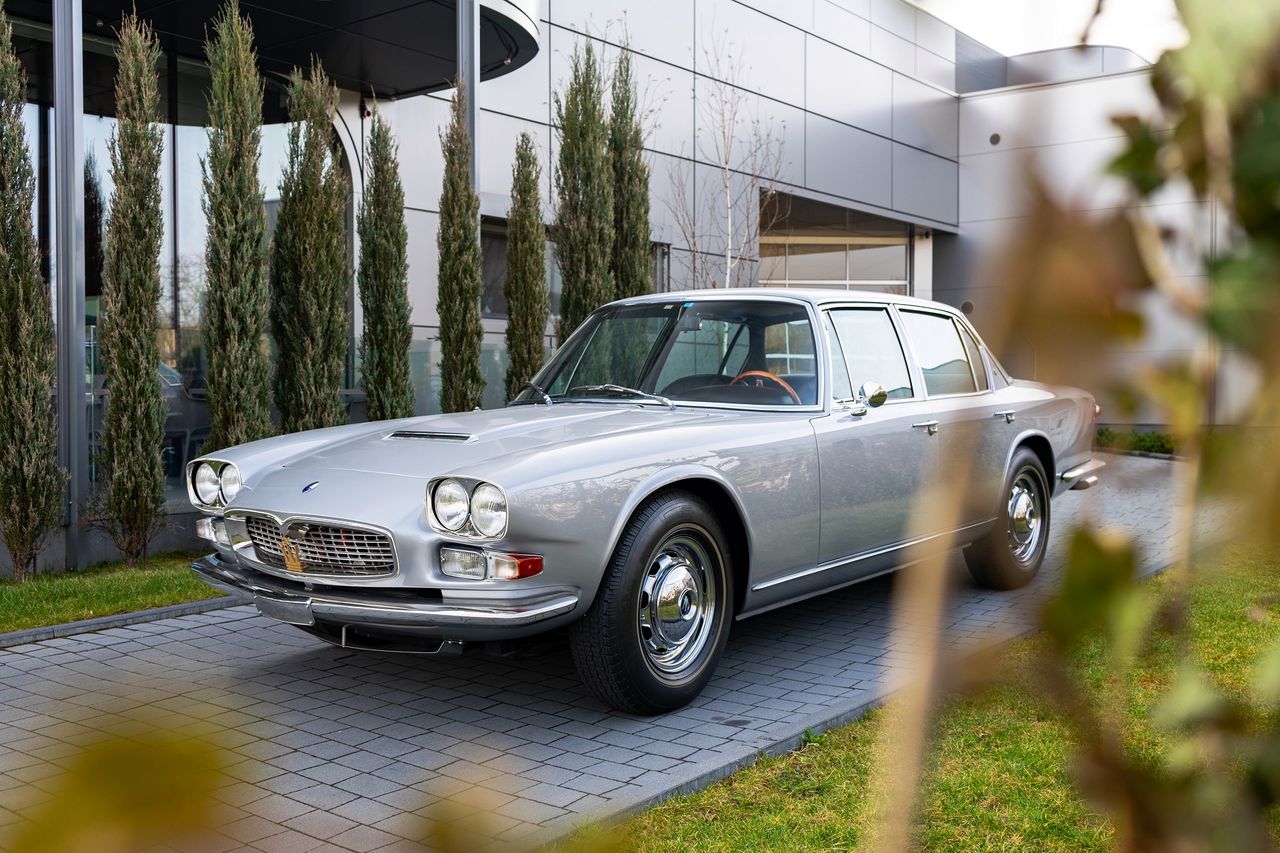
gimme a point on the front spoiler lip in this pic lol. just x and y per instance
(306, 608)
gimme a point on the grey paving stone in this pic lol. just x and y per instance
(324, 742)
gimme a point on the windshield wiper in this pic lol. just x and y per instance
(622, 389)
(537, 389)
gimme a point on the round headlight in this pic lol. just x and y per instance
(206, 484)
(450, 504)
(230, 482)
(489, 510)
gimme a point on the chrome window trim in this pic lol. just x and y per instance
(239, 513)
(886, 307)
(811, 308)
(949, 315)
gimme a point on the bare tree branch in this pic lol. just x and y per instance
(722, 211)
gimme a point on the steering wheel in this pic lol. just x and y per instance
(772, 377)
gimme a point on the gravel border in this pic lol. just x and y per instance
(118, 620)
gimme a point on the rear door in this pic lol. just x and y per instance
(872, 466)
(973, 436)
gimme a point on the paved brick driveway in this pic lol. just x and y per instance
(334, 748)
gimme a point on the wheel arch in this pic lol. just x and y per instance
(712, 489)
(1039, 444)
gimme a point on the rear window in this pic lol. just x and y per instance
(941, 353)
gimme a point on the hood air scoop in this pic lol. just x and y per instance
(431, 436)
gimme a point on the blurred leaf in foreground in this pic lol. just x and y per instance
(125, 794)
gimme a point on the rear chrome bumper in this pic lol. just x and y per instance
(390, 610)
(1083, 476)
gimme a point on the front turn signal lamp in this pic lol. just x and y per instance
(474, 564)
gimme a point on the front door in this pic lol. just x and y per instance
(874, 467)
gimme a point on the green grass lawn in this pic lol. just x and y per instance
(51, 599)
(998, 767)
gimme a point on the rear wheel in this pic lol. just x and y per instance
(653, 636)
(1009, 556)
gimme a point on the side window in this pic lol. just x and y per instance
(975, 358)
(841, 387)
(941, 353)
(872, 351)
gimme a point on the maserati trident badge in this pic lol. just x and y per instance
(291, 551)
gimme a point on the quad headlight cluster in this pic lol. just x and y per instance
(471, 508)
(215, 484)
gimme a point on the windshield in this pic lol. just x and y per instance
(746, 352)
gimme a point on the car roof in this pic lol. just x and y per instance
(814, 295)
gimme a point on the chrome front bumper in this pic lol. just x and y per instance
(1083, 476)
(390, 611)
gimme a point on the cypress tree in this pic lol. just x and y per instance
(309, 277)
(133, 480)
(384, 283)
(632, 253)
(460, 282)
(584, 194)
(30, 480)
(526, 286)
(235, 315)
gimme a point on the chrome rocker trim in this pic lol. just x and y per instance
(306, 609)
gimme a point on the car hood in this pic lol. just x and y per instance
(442, 444)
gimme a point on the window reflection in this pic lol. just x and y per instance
(183, 91)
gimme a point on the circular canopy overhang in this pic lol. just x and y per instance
(379, 48)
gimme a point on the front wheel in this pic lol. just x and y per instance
(653, 636)
(1009, 556)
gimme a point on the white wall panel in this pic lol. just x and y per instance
(1045, 115)
(861, 8)
(417, 126)
(896, 16)
(665, 174)
(935, 36)
(771, 52)
(892, 50)
(848, 162)
(935, 69)
(424, 266)
(836, 23)
(521, 93)
(495, 155)
(924, 185)
(785, 123)
(849, 88)
(995, 186)
(796, 12)
(924, 117)
(662, 29)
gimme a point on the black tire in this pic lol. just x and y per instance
(1009, 555)
(649, 673)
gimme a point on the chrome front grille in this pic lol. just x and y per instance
(322, 549)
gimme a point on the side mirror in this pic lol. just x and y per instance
(871, 395)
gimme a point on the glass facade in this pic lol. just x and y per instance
(805, 243)
(183, 88)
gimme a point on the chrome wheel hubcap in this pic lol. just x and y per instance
(1026, 517)
(678, 601)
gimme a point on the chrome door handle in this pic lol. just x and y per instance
(931, 426)
(1008, 416)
